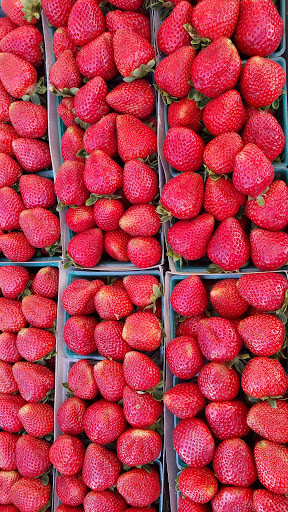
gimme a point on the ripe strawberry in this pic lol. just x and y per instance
(140, 372)
(187, 505)
(102, 176)
(142, 289)
(69, 183)
(39, 311)
(246, 175)
(32, 154)
(135, 98)
(34, 344)
(189, 326)
(26, 43)
(211, 331)
(133, 5)
(102, 135)
(130, 20)
(189, 297)
(269, 74)
(71, 490)
(86, 22)
(226, 299)
(34, 380)
(224, 114)
(135, 139)
(189, 238)
(212, 21)
(185, 113)
(6, 26)
(261, 254)
(97, 59)
(144, 251)
(182, 197)
(70, 416)
(271, 464)
(32, 456)
(269, 422)
(142, 331)
(9, 216)
(184, 400)
(173, 73)
(140, 410)
(12, 318)
(198, 484)
(264, 130)
(8, 443)
(78, 334)
(13, 9)
(7, 137)
(68, 508)
(86, 248)
(104, 422)
(193, 442)
(184, 357)
(78, 297)
(107, 213)
(271, 381)
(101, 467)
(266, 500)
(115, 244)
(64, 73)
(71, 143)
(233, 498)
(109, 341)
(112, 303)
(17, 75)
(172, 34)
(13, 281)
(8, 384)
(233, 463)
(229, 246)
(263, 291)
(262, 334)
(65, 111)
(16, 247)
(134, 55)
(37, 419)
(29, 494)
(62, 42)
(181, 141)
(102, 499)
(140, 220)
(67, 454)
(109, 377)
(5, 101)
(142, 509)
(57, 12)
(80, 219)
(139, 487)
(90, 101)
(220, 153)
(273, 215)
(81, 380)
(7, 480)
(46, 282)
(221, 198)
(137, 446)
(9, 408)
(37, 191)
(227, 420)
(140, 182)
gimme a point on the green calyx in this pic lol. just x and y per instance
(261, 198)
(164, 215)
(157, 293)
(140, 72)
(167, 99)
(54, 248)
(94, 197)
(82, 153)
(174, 255)
(35, 95)
(70, 262)
(31, 9)
(196, 40)
(66, 93)
(162, 5)
(239, 362)
(82, 125)
(200, 99)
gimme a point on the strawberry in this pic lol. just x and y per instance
(64, 73)
(137, 446)
(221, 198)
(34, 380)
(34, 344)
(182, 197)
(8, 443)
(135, 139)
(227, 420)
(140, 372)
(8, 384)
(125, 5)
(104, 422)
(78, 334)
(65, 111)
(130, 20)
(69, 183)
(134, 55)
(6, 26)
(68, 508)
(7, 480)
(16, 247)
(142, 331)
(86, 21)
(32, 154)
(29, 494)
(78, 297)
(109, 377)
(109, 341)
(183, 149)
(261, 254)
(107, 213)
(18, 76)
(186, 505)
(142, 509)
(13, 9)
(80, 219)
(71, 143)
(81, 380)
(271, 464)
(12, 318)
(101, 467)
(26, 43)
(112, 303)
(67, 454)
(211, 331)
(173, 73)
(32, 456)
(136, 98)
(226, 299)
(264, 40)
(269, 74)
(6, 101)
(189, 297)
(97, 58)
(144, 251)
(266, 500)
(225, 113)
(7, 137)
(233, 463)
(198, 484)
(90, 101)
(185, 113)
(193, 442)
(140, 410)
(39, 311)
(224, 64)
(62, 42)
(57, 11)
(139, 487)
(262, 334)
(70, 416)
(37, 419)
(189, 326)
(86, 248)
(233, 498)
(142, 289)
(102, 135)
(46, 282)
(9, 408)
(212, 21)
(182, 235)
(13, 281)
(115, 244)
(184, 357)
(246, 176)
(140, 182)
(102, 176)
(273, 215)
(9, 216)
(37, 191)
(71, 490)
(220, 153)
(263, 291)
(184, 400)
(102, 499)
(264, 130)
(271, 381)
(269, 422)
(140, 220)
(172, 34)
(229, 246)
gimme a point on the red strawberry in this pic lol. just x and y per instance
(142, 289)
(16, 247)
(101, 467)
(189, 326)
(140, 220)
(139, 487)
(133, 5)
(185, 113)
(140, 410)
(134, 55)
(233, 463)
(71, 490)
(269, 422)
(97, 58)
(172, 34)
(67, 454)
(80, 219)
(13, 281)
(86, 22)
(78, 334)
(130, 20)
(112, 303)
(32, 456)
(109, 341)
(37, 419)
(173, 73)
(271, 381)
(65, 111)
(211, 331)
(212, 21)
(193, 442)
(71, 143)
(246, 176)
(102, 499)
(144, 251)
(90, 101)
(142, 331)
(221, 198)
(137, 446)
(109, 377)
(115, 244)
(64, 73)
(262, 334)
(273, 214)
(13, 9)
(6, 26)
(57, 12)
(102, 175)
(184, 400)
(37, 191)
(135, 98)
(8, 384)
(264, 130)
(271, 464)
(265, 500)
(7, 480)
(69, 183)
(269, 74)
(9, 215)
(17, 75)
(62, 42)
(70, 416)
(107, 213)
(45, 282)
(34, 344)
(220, 153)
(38, 493)
(9, 408)
(135, 139)
(225, 113)
(182, 197)
(39, 311)
(189, 238)
(140, 372)
(189, 297)
(26, 43)
(34, 380)
(78, 297)
(86, 248)
(229, 246)
(8, 443)
(12, 318)
(104, 422)
(102, 135)
(263, 291)
(184, 357)
(262, 242)
(186, 505)
(183, 149)
(140, 182)
(81, 380)
(198, 484)
(5, 99)
(227, 420)
(233, 498)
(32, 154)
(7, 137)
(226, 299)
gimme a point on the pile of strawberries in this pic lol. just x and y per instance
(27, 322)
(222, 119)
(26, 199)
(231, 431)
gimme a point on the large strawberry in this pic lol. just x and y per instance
(182, 235)
(139, 487)
(264, 130)
(212, 20)
(262, 334)
(41, 227)
(269, 422)
(67, 454)
(102, 175)
(130, 20)
(264, 377)
(109, 377)
(172, 34)
(183, 149)
(226, 299)
(140, 182)
(81, 380)
(18, 76)
(211, 331)
(143, 251)
(26, 43)
(37, 191)
(102, 135)
(193, 442)
(112, 303)
(78, 297)
(263, 291)
(220, 153)
(70, 416)
(247, 176)
(262, 242)
(218, 382)
(261, 81)
(140, 372)
(57, 11)
(90, 101)
(271, 462)
(9, 352)
(273, 214)
(64, 73)
(38, 493)
(101, 467)
(34, 344)
(189, 297)
(143, 290)
(6, 26)
(173, 73)
(182, 197)
(16, 247)
(188, 327)
(135, 98)
(34, 381)
(229, 246)
(10, 171)
(198, 484)
(13, 281)
(134, 138)
(109, 341)
(86, 21)
(225, 113)
(234, 464)
(134, 56)
(86, 248)
(32, 154)
(32, 456)
(184, 357)
(140, 220)
(69, 183)
(97, 58)
(78, 334)
(37, 419)
(227, 420)
(46, 282)
(14, 9)
(140, 411)
(221, 198)
(104, 422)
(184, 400)
(142, 331)
(138, 446)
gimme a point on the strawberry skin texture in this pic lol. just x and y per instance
(12, 318)
(183, 195)
(9, 408)
(97, 58)
(104, 422)
(187, 505)
(172, 34)
(5, 102)
(189, 297)
(136, 98)
(226, 299)
(8, 384)
(232, 499)
(71, 490)
(37, 191)
(125, 5)
(138, 487)
(86, 248)
(193, 442)
(109, 341)
(101, 467)
(144, 251)
(69, 183)
(218, 382)
(269, 249)
(32, 154)
(71, 143)
(78, 297)
(7, 136)
(102, 136)
(102, 500)
(9, 352)
(67, 454)
(107, 213)
(211, 331)
(78, 334)
(182, 235)
(148, 325)
(184, 357)
(109, 377)
(271, 382)
(131, 51)
(112, 303)
(29, 494)
(185, 113)
(102, 175)
(247, 177)
(90, 101)
(213, 20)
(225, 113)
(263, 291)
(140, 289)
(262, 334)
(135, 365)
(18, 76)
(264, 130)
(86, 21)
(229, 246)
(65, 111)
(231, 455)
(6, 26)
(9, 215)
(32, 456)
(16, 247)
(64, 73)
(13, 9)
(8, 443)
(189, 326)
(269, 74)
(34, 344)
(174, 72)
(57, 12)
(81, 380)
(140, 220)
(62, 42)
(184, 400)
(227, 419)
(33, 380)
(183, 149)
(270, 424)
(37, 419)
(222, 199)
(70, 416)
(273, 215)
(135, 139)
(24, 42)
(198, 484)
(271, 463)
(129, 20)
(140, 182)
(43, 235)
(140, 411)
(265, 500)
(80, 219)
(138, 446)
(220, 153)
(46, 282)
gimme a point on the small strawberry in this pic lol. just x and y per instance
(101, 467)
(7, 480)
(271, 464)
(71, 143)
(193, 442)
(62, 42)
(140, 220)
(5, 101)
(102, 499)
(104, 422)
(37, 191)
(8, 384)
(102, 135)
(97, 58)
(69, 183)
(78, 334)
(130, 20)
(221, 198)
(135, 139)
(81, 380)
(139, 487)
(172, 34)
(13, 281)
(78, 297)
(189, 326)
(116, 243)
(80, 219)
(37, 419)
(34, 380)
(140, 182)
(32, 456)
(273, 214)
(86, 21)
(107, 213)
(246, 176)
(142, 331)
(8, 443)
(237, 498)
(184, 357)
(109, 377)
(67, 454)
(32, 154)
(136, 98)
(268, 73)
(86, 248)
(9, 215)
(182, 197)
(109, 341)
(13, 9)
(7, 136)
(225, 113)
(70, 416)
(211, 331)
(144, 251)
(189, 297)
(263, 291)
(140, 372)
(64, 73)
(71, 490)
(262, 255)
(233, 463)
(65, 111)
(173, 73)
(184, 400)
(226, 299)
(134, 55)
(34, 344)
(57, 12)
(90, 100)
(140, 410)
(39, 311)
(269, 422)
(190, 238)
(220, 153)
(9, 408)
(188, 159)
(38, 493)
(198, 484)
(212, 21)
(264, 130)
(185, 113)
(12, 318)
(26, 43)
(266, 500)
(227, 420)
(271, 381)
(16, 247)
(102, 175)
(229, 246)
(17, 75)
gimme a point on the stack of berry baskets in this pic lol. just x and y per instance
(101, 382)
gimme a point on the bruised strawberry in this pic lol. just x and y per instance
(78, 334)
(135, 98)
(172, 34)
(193, 442)
(226, 299)
(86, 248)
(184, 357)
(184, 400)
(225, 113)
(81, 380)
(183, 149)
(190, 238)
